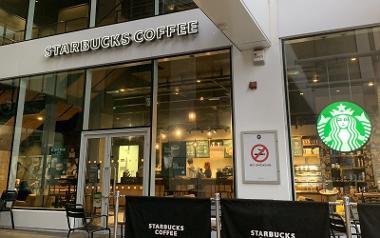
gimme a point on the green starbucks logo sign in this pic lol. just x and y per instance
(344, 126)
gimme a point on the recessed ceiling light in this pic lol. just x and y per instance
(353, 59)
(198, 81)
(370, 84)
(315, 80)
(192, 116)
(178, 132)
(338, 91)
(301, 94)
(40, 118)
(293, 73)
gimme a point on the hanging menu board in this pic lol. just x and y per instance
(202, 149)
(190, 149)
(174, 158)
(228, 148)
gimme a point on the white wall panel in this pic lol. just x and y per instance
(35, 219)
(262, 109)
(299, 17)
(27, 57)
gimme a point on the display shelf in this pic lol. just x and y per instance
(311, 182)
(350, 168)
(348, 181)
(312, 145)
(307, 192)
(310, 155)
(308, 177)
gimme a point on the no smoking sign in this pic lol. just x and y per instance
(259, 153)
(260, 157)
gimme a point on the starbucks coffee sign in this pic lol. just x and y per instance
(123, 39)
(344, 126)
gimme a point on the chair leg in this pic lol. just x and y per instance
(109, 233)
(13, 223)
(68, 234)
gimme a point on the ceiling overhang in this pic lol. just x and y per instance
(237, 21)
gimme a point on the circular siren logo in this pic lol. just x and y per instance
(344, 126)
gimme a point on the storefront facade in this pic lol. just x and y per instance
(153, 101)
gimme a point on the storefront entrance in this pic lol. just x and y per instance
(113, 160)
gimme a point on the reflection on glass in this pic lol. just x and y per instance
(115, 11)
(13, 15)
(95, 160)
(121, 96)
(59, 16)
(8, 105)
(169, 6)
(323, 70)
(194, 132)
(50, 139)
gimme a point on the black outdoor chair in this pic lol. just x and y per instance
(77, 212)
(338, 227)
(7, 201)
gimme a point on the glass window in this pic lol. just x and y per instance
(194, 132)
(333, 88)
(121, 96)
(58, 16)
(8, 106)
(13, 15)
(50, 139)
(115, 11)
(169, 6)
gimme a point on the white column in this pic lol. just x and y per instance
(93, 13)
(154, 130)
(17, 134)
(30, 19)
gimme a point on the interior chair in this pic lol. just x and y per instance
(7, 201)
(76, 212)
(355, 223)
(337, 226)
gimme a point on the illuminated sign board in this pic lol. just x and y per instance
(123, 39)
(344, 126)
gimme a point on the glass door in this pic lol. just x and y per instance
(116, 160)
(127, 170)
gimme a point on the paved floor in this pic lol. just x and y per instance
(4, 233)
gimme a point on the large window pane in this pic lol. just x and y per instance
(115, 11)
(50, 139)
(121, 96)
(58, 16)
(13, 15)
(169, 6)
(194, 131)
(332, 155)
(8, 106)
